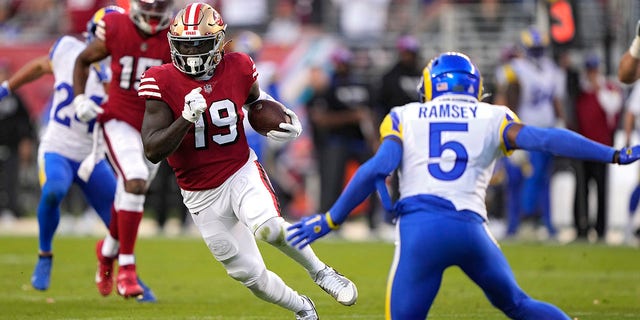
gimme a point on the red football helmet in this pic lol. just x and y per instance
(151, 16)
(196, 37)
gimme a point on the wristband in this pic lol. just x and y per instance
(616, 157)
(6, 85)
(634, 49)
(330, 222)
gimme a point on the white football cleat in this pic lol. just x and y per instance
(309, 312)
(337, 285)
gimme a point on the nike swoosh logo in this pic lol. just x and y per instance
(121, 289)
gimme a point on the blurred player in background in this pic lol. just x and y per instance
(67, 141)
(197, 124)
(135, 42)
(528, 85)
(631, 116)
(446, 148)
(629, 72)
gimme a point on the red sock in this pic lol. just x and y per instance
(128, 222)
(113, 224)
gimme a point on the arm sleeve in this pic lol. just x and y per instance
(363, 183)
(562, 142)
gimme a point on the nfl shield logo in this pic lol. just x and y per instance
(471, 90)
(207, 88)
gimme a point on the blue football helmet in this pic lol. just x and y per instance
(534, 42)
(92, 24)
(450, 73)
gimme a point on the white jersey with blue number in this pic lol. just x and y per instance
(65, 134)
(539, 85)
(450, 146)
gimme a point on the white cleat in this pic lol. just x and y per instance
(337, 285)
(309, 312)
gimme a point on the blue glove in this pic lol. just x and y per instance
(628, 155)
(309, 229)
(4, 90)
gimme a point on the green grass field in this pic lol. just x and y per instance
(587, 281)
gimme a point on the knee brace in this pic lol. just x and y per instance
(272, 231)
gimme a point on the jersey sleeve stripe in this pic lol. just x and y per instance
(145, 93)
(53, 48)
(509, 117)
(100, 30)
(391, 126)
(149, 88)
(510, 74)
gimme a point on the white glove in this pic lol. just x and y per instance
(86, 109)
(293, 129)
(194, 105)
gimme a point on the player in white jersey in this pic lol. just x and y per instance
(529, 85)
(631, 122)
(445, 149)
(67, 141)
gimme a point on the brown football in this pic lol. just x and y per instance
(266, 115)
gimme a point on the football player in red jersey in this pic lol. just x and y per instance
(194, 118)
(135, 42)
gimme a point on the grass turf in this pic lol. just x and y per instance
(587, 281)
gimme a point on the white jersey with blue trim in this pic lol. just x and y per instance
(65, 134)
(450, 146)
(538, 87)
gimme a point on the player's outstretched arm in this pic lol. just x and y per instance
(94, 52)
(566, 143)
(628, 69)
(362, 184)
(31, 71)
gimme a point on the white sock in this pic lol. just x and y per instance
(305, 257)
(110, 246)
(270, 287)
(126, 259)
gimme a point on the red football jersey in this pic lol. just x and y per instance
(131, 55)
(216, 146)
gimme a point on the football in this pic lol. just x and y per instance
(266, 115)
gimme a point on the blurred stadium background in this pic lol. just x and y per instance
(298, 35)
